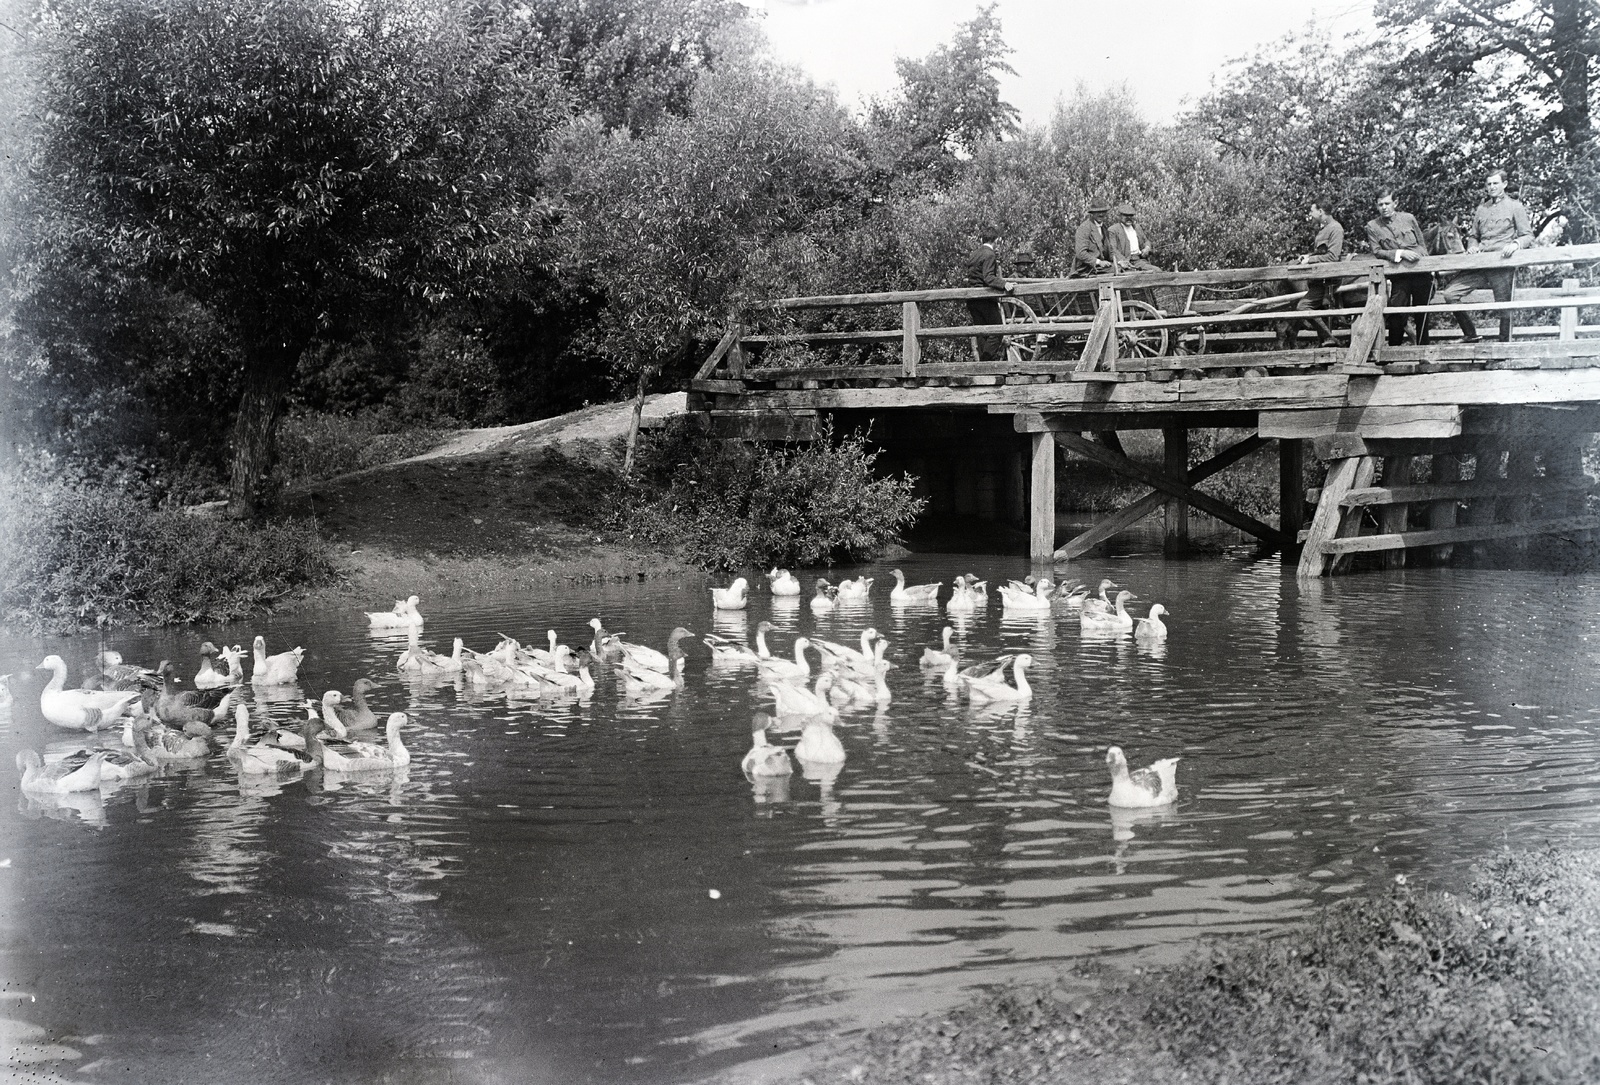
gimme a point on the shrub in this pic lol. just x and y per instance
(729, 505)
(75, 553)
(317, 446)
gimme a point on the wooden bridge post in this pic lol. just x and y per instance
(1397, 471)
(1480, 512)
(910, 345)
(1518, 509)
(1344, 475)
(1291, 490)
(1042, 498)
(1442, 514)
(1569, 314)
(1175, 463)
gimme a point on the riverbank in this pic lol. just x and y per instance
(1409, 984)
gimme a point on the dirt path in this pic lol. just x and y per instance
(602, 422)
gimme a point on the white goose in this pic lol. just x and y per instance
(855, 591)
(734, 597)
(1113, 621)
(937, 658)
(915, 595)
(1153, 786)
(263, 758)
(1152, 628)
(726, 650)
(556, 656)
(995, 687)
(796, 700)
(282, 669)
(79, 709)
(826, 598)
(977, 589)
(405, 615)
(765, 759)
(961, 601)
(1035, 601)
(818, 744)
(783, 583)
(60, 778)
(799, 667)
(580, 681)
(839, 655)
(369, 756)
(644, 658)
(1099, 603)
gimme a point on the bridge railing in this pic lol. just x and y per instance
(1147, 325)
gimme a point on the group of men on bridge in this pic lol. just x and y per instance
(1499, 224)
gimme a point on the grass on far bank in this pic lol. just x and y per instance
(1408, 985)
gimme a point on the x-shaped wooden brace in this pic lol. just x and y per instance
(1165, 486)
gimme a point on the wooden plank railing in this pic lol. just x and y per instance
(1104, 332)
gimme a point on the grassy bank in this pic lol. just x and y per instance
(1408, 985)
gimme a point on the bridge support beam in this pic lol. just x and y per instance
(1175, 461)
(1042, 499)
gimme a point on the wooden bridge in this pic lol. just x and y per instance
(1438, 447)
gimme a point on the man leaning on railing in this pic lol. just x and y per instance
(983, 269)
(1499, 224)
(1396, 236)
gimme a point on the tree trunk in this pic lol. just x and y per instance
(1570, 32)
(267, 380)
(633, 423)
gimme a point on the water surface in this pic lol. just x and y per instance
(566, 890)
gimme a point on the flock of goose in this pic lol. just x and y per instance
(161, 719)
(152, 718)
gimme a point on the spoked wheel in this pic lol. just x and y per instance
(1190, 340)
(1021, 348)
(1141, 342)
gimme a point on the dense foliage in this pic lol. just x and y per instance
(729, 505)
(75, 552)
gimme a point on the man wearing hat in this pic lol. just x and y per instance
(1129, 245)
(1089, 243)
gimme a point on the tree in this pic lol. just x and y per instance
(661, 225)
(949, 102)
(282, 160)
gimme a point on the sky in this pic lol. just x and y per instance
(1166, 51)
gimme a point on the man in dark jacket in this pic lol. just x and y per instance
(1397, 238)
(983, 269)
(1090, 255)
(1326, 247)
(1129, 243)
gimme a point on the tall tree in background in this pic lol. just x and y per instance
(948, 103)
(279, 160)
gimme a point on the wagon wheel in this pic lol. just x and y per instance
(1191, 340)
(1141, 342)
(1021, 348)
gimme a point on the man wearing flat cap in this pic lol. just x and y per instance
(1089, 253)
(1129, 244)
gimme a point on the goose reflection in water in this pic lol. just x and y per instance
(1126, 825)
(88, 807)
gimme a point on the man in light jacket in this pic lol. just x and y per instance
(1500, 224)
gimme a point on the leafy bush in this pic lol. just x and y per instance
(728, 505)
(316, 446)
(77, 553)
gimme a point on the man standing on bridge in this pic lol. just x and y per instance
(983, 269)
(1499, 224)
(1396, 237)
(1326, 247)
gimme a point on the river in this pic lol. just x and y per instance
(588, 890)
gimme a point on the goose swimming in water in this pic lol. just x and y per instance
(369, 756)
(1114, 621)
(936, 658)
(1099, 603)
(783, 583)
(826, 598)
(765, 759)
(994, 687)
(818, 744)
(798, 701)
(799, 667)
(855, 591)
(914, 595)
(282, 669)
(1152, 628)
(726, 650)
(405, 615)
(1153, 786)
(1034, 600)
(734, 597)
(263, 758)
(39, 778)
(961, 600)
(80, 709)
